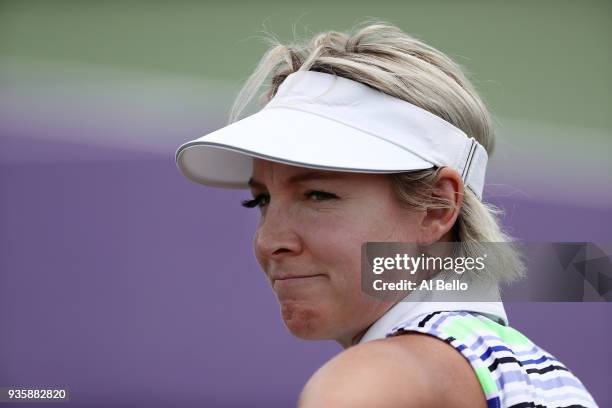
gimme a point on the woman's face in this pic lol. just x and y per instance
(308, 243)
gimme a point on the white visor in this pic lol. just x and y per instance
(323, 121)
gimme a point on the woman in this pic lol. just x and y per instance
(364, 138)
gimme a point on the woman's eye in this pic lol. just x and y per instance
(258, 201)
(320, 195)
(263, 199)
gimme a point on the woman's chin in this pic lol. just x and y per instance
(307, 322)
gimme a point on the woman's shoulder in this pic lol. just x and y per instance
(415, 370)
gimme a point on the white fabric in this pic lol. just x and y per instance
(323, 121)
(425, 302)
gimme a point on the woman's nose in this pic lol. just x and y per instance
(276, 235)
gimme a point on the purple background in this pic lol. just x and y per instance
(129, 285)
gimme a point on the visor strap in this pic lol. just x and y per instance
(468, 161)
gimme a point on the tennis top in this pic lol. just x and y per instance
(513, 372)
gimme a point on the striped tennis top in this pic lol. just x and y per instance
(513, 372)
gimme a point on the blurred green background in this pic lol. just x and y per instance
(528, 58)
(543, 68)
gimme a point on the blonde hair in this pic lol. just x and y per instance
(385, 58)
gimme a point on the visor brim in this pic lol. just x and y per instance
(224, 158)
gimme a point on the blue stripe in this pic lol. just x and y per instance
(494, 403)
(443, 317)
(490, 351)
(519, 376)
(559, 397)
(539, 360)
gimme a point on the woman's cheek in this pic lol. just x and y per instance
(325, 225)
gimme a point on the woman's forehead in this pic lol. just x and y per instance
(266, 168)
(268, 172)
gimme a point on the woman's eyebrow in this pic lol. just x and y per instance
(297, 178)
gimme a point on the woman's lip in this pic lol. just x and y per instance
(296, 278)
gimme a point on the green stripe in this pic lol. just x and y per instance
(464, 327)
(486, 381)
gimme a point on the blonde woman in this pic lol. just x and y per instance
(374, 136)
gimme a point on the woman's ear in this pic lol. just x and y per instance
(437, 223)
